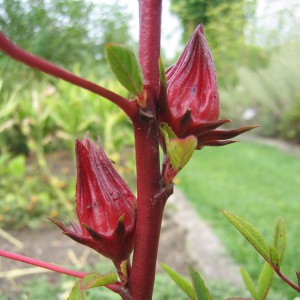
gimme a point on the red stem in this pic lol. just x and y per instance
(149, 42)
(150, 194)
(41, 264)
(286, 280)
(130, 108)
(113, 287)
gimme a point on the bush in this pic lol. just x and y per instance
(272, 93)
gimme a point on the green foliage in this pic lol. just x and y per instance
(49, 119)
(225, 24)
(196, 290)
(249, 283)
(272, 254)
(180, 281)
(26, 200)
(179, 150)
(200, 289)
(250, 233)
(12, 166)
(125, 66)
(61, 31)
(264, 282)
(91, 280)
(272, 92)
(280, 237)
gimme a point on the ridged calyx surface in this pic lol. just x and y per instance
(105, 205)
(189, 103)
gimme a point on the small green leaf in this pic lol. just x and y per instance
(181, 282)
(249, 283)
(92, 280)
(274, 256)
(250, 233)
(125, 66)
(201, 291)
(280, 237)
(264, 281)
(76, 293)
(167, 132)
(179, 150)
(162, 73)
(124, 267)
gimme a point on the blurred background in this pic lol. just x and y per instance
(255, 46)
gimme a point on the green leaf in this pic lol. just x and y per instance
(76, 293)
(124, 267)
(274, 256)
(162, 73)
(280, 237)
(264, 281)
(179, 150)
(250, 233)
(92, 280)
(181, 282)
(89, 281)
(201, 291)
(167, 132)
(249, 283)
(125, 66)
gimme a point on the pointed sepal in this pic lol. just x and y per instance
(179, 150)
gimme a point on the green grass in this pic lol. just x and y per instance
(255, 182)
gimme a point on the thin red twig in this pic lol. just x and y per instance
(286, 280)
(41, 264)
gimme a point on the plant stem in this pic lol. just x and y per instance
(25, 259)
(38, 63)
(149, 42)
(151, 197)
(286, 280)
(41, 264)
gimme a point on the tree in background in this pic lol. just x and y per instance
(225, 24)
(61, 31)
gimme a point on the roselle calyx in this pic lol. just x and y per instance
(189, 100)
(105, 205)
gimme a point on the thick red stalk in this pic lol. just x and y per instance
(150, 194)
(33, 61)
(149, 41)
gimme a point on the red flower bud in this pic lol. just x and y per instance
(190, 102)
(105, 205)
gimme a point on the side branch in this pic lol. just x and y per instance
(41, 264)
(286, 280)
(130, 108)
(25, 259)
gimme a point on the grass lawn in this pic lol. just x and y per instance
(257, 183)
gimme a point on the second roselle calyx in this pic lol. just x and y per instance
(105, 205)
(189, 101)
